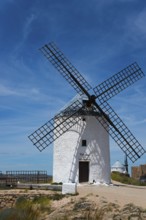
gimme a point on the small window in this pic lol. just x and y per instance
(84, 143)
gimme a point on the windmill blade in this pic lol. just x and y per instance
(118, 82)
(62, 64)
(57, 126)
(120, 133)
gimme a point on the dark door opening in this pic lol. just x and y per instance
(83, 171)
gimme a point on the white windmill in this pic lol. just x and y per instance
(80, 132)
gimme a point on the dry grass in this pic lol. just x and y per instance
(92, 203)
(25, 209)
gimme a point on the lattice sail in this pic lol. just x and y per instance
(55, 127)
(118, 82)
(120, 133)
(62, 64)
(71, 115)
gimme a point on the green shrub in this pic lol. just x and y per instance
(44, 203)
(22, 202)
(26, 209)
(124, 178)
(7, 214)
(56, 183)
(57, 196)
(25, 213)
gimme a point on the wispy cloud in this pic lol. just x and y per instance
(31, 93)
(26, 30)
(27, 25)
(139, 23)
(135, 28)
(5, 91)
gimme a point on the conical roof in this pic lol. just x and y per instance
(117, 164)
(77, 107)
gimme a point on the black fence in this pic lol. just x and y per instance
(24, 176)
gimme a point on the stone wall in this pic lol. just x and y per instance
(138, 171)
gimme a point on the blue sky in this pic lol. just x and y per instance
(100, 38)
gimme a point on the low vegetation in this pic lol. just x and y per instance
(23, 210)
(27, 209)
(40, 207)
(123, 178)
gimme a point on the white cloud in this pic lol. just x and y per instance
(140, 22)
(27, 25)
(135, 28)
(5, 91)
(22, 92)
(26, 29)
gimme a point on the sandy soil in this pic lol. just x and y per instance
(117, 193)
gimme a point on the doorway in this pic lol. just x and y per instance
(83, 171)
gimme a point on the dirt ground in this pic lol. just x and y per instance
(116, 201)
(119, 194)
(115, 193)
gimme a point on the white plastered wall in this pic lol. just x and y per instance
(68, 151)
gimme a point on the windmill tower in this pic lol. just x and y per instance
(81, 154)
(80, 132)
